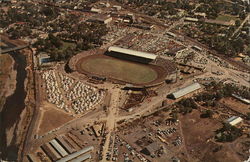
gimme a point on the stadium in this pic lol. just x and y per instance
(123, 66)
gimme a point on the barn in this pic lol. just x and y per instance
(131, 55)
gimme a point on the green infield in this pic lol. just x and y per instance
(118, 69)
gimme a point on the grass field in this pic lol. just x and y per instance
(120, 70)
(226, 18)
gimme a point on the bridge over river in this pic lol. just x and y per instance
(13, 49)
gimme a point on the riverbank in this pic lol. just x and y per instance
(13, 111)
(7, 78)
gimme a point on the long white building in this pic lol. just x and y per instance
(186, 90)
(132, 52)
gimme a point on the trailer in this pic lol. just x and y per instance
(76, 154)
(50, 152)
(58, 148)
(65, 145)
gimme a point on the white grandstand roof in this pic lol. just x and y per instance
(186, 90)
(132, 52)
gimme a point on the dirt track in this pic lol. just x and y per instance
(161, 72)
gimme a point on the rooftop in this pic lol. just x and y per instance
(183, 91)
(132, 52)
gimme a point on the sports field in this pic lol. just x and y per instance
(118, 69)
(226, 18)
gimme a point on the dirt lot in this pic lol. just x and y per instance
(52, 118)
(198, 134)
(241, 146)
(236, 105)
(225, 153)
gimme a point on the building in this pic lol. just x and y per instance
(151, 149)
(95, 10)
(234, 120)
(244, 100)
(246, 1)
(44, 59)
(132, 55)
(5, 1)
(210, 21)
(117, 8)
(191, 19)
(143, 26)
(103, 19)
(77, 154)
(184, 91)
(171, 34)
(197, 48)
(200, 14)
(218, 22)
(58, 148)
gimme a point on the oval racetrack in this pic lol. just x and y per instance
(127, 71)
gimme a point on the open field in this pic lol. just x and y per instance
(126, 71)
(226, 18)
(51, 119)
(197, 132)
(224, 153)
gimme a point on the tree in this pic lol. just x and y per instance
(54, 40)
(237, 23)
(242, 15)
(174, 116)
(236, 9)
(248, 116)
(207, 114)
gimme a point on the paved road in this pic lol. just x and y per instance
(110, 124)
(13, 49)
(242, 24)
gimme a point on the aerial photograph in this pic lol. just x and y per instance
(125, 80)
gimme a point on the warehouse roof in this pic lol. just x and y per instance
(246, 101)
(132, 52)
(76, 154)
(186, 90)
(234, 120)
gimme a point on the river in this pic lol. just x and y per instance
(12, 109)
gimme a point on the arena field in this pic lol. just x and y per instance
(126, 71)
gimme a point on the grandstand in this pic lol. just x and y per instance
(131, 55)
(124, 66)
